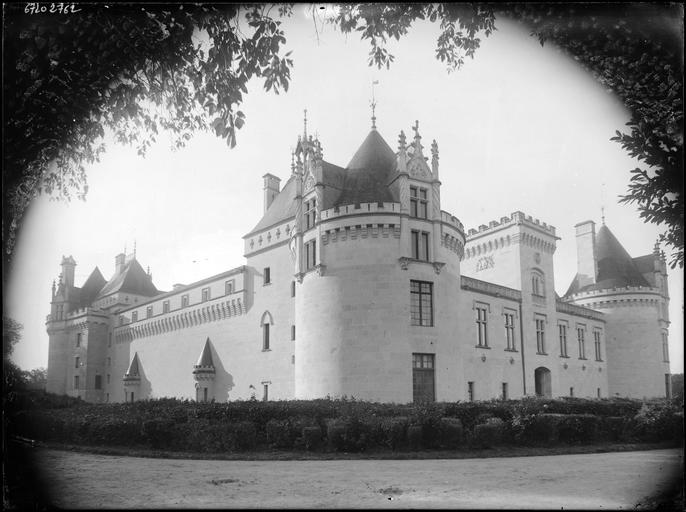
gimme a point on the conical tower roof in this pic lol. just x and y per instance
(92, 286)
(132, 279)
(616, 268)
(205, 358)
(133, 370)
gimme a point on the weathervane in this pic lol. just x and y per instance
(373, 105)
(602, 203)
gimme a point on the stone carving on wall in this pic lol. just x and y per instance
(309, 183)
(417, 168)
(484, 263)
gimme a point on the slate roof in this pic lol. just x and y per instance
(132, 279)
(134, 370)
(616, 268)
(90, 289)
(364, 180)
(205, 358)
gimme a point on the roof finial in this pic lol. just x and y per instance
(373, 105)
(292, 161)
(602, 214)
(602, 202)
(305, 126)
(124, 248)
(134, 248)
(417, 138)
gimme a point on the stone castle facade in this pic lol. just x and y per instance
(357, 284)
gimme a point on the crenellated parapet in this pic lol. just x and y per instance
(629, 296)
(516, 218)
(362, 231)
(359, 209)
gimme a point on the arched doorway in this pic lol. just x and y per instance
(542, 378)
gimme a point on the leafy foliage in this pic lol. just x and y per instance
(138, 70)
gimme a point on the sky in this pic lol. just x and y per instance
(519, 128)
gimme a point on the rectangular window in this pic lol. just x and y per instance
(504, 394)
(292, 332)
(109, 361)
(184, 301)
(98, 382)
(510, 331)
(563, 339)
(77, 362)
(108, 378)
(580, 336)
(265, 337)
(482, 325)
(78, 339)
(265, 395)
(76, 382)
(292, 288)
(540, 336)
(109, 341)
(420, 245)
(310, 213)
(571, 391)
(421, 303)
(165, 306)
(596, 345)
(598, 392)
(423, 384)
(418, 203)
(228, 287)
(148, 312)
(310, 254)
(107, 397)
(668, 385)
(134, 316)
(267, 275)
(470, 390)
(205, 294)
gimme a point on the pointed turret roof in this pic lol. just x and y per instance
(133, 370)
(132, 279)
(615, 267)
(205, 358)
(92, 286)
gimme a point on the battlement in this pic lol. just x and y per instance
(358, 209)
(514, 219)
(449, 218)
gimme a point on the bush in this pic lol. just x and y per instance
(451, 433)
(312, 438)
(394, 432)
(536, 429)
(578, 428)
(280, 433)
(613, 428)
(414, 437)
(490, 433)
(657, 421)
(158, 432)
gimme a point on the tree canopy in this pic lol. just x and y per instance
(139, 69)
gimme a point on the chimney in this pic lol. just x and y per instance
(586, 264)
(119, 262)
(271, 189)
(68, 266)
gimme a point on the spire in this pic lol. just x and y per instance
(133, 372)
(305, 127)
(417, 139)
(656, 247)
(373, 105)
(292, 161)
(602, 214)
(402, 141)
(434, 159)
(134, 248)
(53, 288)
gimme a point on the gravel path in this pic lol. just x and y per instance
(586, 481)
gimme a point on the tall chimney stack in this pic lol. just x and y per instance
(271, 189)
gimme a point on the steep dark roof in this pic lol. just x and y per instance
(90, 289)
(368, 173)
(132, 279)
(134, 370)
(281, 209)
(616, 268)
(364, 180)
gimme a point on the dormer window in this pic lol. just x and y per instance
(310, 213)
(418, 203)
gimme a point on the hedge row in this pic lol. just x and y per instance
(347, 425)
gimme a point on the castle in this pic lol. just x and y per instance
(357, 284)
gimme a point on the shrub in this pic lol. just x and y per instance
(451, 431)
(613, 428)
(280, 433)
(490, 433)
(536, 429)
(657, 421)
(394, 432)
(312, 437)
(578, 428)
(158, 432)
(414, 437)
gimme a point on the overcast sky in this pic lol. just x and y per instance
(520, 127)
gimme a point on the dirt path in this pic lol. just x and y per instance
(597, 481)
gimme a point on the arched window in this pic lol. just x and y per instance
(537, 283)
(266, 323)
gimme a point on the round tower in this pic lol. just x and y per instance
(379, 274)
